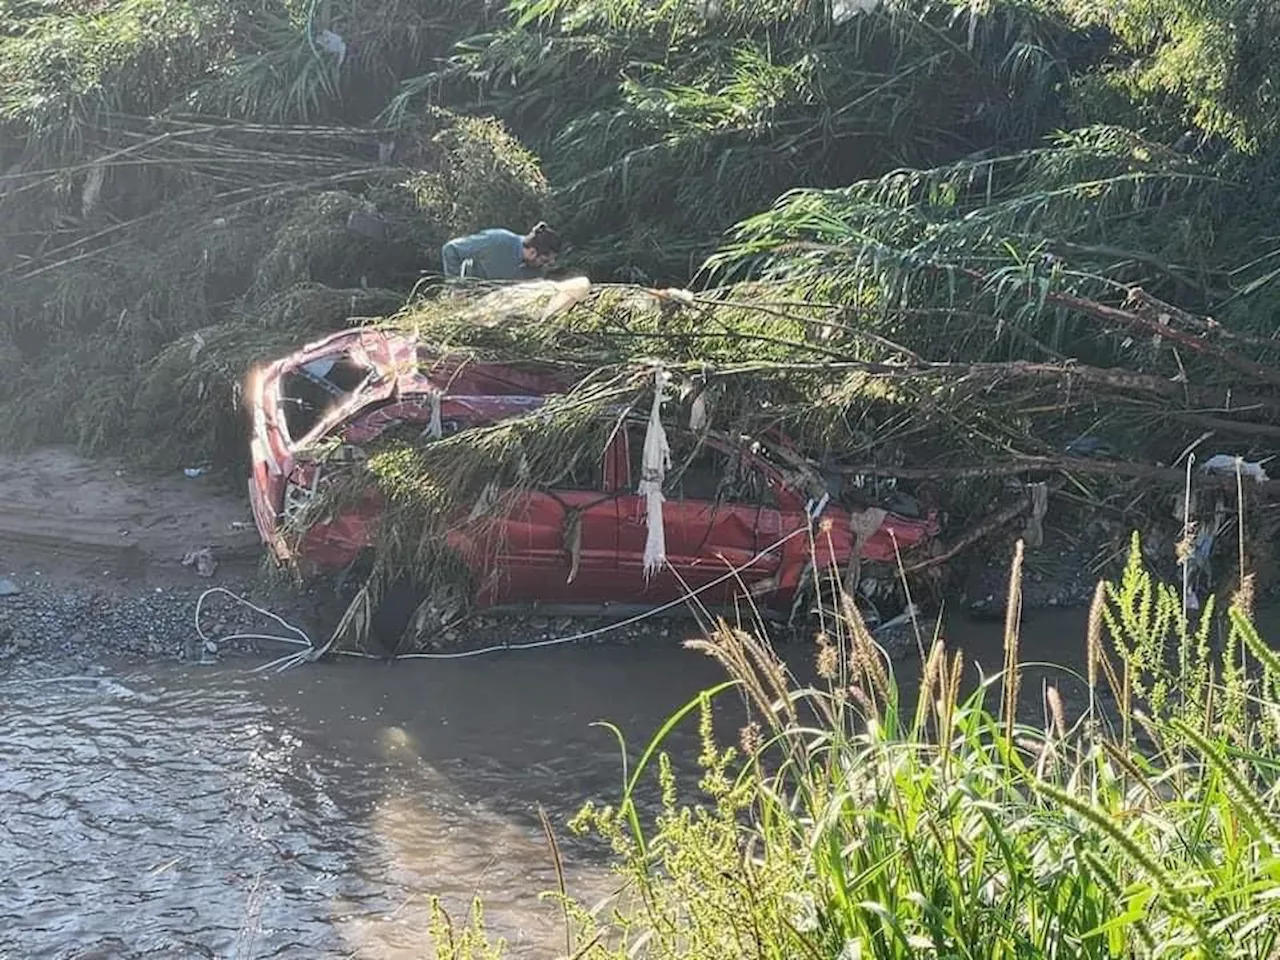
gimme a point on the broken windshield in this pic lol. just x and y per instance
(312, 390)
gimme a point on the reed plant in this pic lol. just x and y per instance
(850, 822)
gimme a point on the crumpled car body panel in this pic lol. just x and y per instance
(521, 555)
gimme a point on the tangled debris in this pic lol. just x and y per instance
(140, 287)
(1000, 446)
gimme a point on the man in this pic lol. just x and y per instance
(501, 254)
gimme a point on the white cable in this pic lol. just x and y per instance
(293, 659)
(587, 635)
(302, 641)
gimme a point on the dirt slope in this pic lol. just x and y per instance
(73, 519)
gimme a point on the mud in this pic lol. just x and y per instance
(104, 524)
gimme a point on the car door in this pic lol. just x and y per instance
(721, 511)
(560, 543)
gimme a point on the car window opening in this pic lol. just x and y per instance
(584, 471)
(312, 390)
(703, 472)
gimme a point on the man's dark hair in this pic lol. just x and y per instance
(542, 240)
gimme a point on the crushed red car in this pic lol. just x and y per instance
(728, 505)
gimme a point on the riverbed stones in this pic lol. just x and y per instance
(1056, 575)
(44, 622)
(8, 588)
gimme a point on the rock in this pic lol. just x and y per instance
(202, 560)
(8, 588)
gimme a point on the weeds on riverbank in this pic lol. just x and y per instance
(848, 824)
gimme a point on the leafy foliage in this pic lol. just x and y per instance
(848, 823)
(66, 72)
(332, 60)
(661, 125)
(991, 243)
(222, 244)
(1215, 60)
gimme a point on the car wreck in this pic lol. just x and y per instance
(737, 514)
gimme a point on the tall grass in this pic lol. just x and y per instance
(849, 823)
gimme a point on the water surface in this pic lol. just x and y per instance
(211, 812)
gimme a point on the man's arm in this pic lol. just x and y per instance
(459, 250)
(452, 258)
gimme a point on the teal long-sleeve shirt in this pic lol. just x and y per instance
(495, 254)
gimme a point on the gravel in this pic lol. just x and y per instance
(1056, 576)
(43, 623)
(44, 626)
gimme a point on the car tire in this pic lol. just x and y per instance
(407, 615)
(390, 618)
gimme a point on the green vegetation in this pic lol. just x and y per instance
(1212, 60)
(883, 205)
(175, 170)
(212, 246)
(1025, 248)
(849, 823)
(663, 124)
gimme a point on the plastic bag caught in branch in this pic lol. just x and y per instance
(1033, 532)
(653, 471)
(1225, 463)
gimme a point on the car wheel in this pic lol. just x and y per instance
(391, 616)
(407, 618)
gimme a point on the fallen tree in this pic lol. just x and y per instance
(1002, 446)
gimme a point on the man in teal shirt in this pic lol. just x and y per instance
(501, 254)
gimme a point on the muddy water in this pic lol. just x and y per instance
(202, 812)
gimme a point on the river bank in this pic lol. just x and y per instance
(232, 813)
(98, 559)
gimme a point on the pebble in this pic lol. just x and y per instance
(51, 624)
(42, 624)
(1067, 581)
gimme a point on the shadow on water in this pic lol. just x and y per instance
(210, 812)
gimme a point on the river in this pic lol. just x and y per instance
(213, 812)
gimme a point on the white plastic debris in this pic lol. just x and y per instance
(698, 413)
(92, 189)
(1225, 463)
(653, 471)
(567, 294)
(863, 525)
(678, 294)
(435, 426)
(485, 502)
(330, 42)
(844, 10)
(1033, 531)
(202, 560)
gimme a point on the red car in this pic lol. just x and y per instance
(730, 505)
